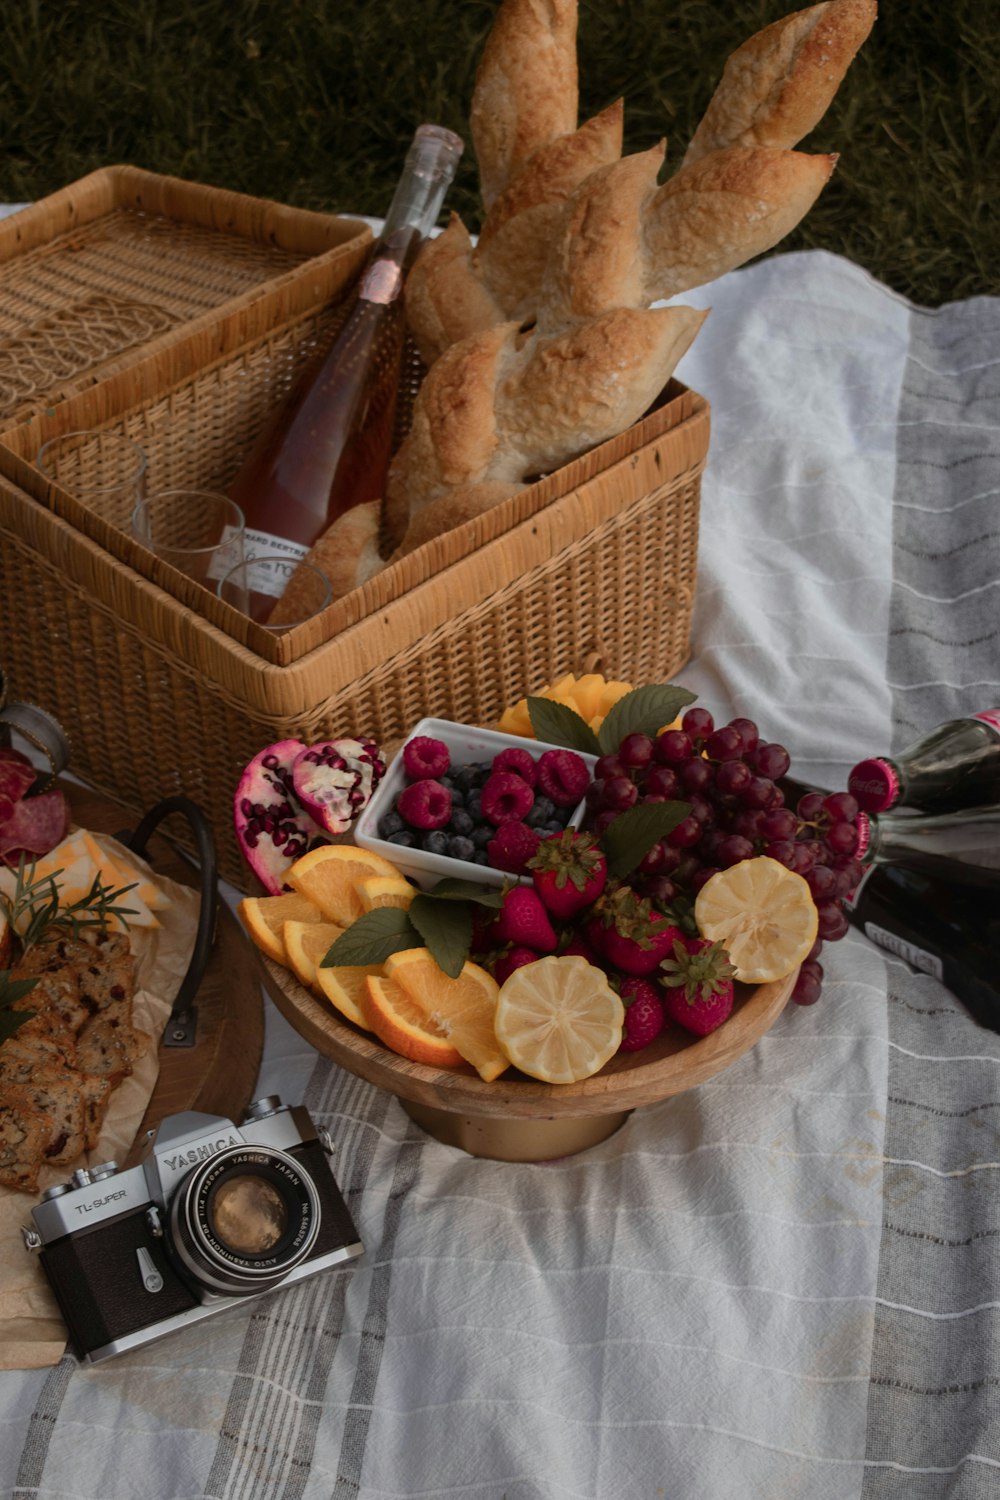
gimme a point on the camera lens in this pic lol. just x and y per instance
(243, 1219)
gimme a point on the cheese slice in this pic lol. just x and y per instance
(77, 861)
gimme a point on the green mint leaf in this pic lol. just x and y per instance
(558, 724)
(634, 832)
(446, 929)
(451, 889)
(372, 938)
(645, 710)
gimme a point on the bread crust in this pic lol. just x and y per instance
(777, 86)
(446, 296)
(526, 89)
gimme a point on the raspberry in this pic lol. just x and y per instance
(521, 762)
(423, 756)
(563, 776)
(506, 798)
(425, 804)
(512, 846)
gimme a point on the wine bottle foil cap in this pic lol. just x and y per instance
(874, 784)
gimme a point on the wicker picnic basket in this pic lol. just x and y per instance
(164, 690)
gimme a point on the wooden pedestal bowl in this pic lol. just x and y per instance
(517, 1118)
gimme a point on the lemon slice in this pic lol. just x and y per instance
(558, 1019)
(762, 914)
(328, 877)
(462, 1008)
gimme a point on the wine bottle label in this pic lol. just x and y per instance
(917, 958)
(271, 561)
(990, 716)
(225, 557)
(382, 282)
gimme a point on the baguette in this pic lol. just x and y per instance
(777, 86)
(347, 552)
(525, 92)
(446, 296)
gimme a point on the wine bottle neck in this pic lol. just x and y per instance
(427, 174)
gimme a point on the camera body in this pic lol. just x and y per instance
(212, 1215)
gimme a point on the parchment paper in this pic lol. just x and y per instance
(32, 1333)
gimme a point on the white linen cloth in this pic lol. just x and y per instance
(691, 1309)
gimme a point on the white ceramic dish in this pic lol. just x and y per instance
(465, 745)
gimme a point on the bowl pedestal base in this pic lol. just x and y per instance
(514, 1139)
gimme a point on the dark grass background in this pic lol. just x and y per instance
(313, 101)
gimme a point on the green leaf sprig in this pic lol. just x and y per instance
(34, 908)
(12, 990)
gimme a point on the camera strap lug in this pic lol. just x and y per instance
(326, 1140)
(154, 1223)
(32, 1239)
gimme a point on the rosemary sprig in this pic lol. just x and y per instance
(34, 907)
(12, 989)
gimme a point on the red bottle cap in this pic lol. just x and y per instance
(874, 784)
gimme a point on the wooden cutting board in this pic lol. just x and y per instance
(217, 1075)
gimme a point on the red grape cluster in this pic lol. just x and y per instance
(742, 804)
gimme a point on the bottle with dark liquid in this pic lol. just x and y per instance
(328, 447)
(955, 765)
(970, 836)
(942, 919)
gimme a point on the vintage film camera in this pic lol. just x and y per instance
(213, 1215)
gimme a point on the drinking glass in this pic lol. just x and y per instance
(257, 587)
(105, 471)
(198, 532)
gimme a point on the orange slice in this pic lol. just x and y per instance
(328, 877)
(462, 1009)
(762, 914)
(385, 890)
(344, 985)
(306, 943)
(265, 916)
(399, 1022)
(558, 1019)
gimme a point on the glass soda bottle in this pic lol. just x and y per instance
(942, 919)
(955, 765)
(328, 447)
(970, 836)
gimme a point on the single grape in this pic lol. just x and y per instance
(671, 858)
(757, 792)
(604, 820)
(662, 781)
(822, 882)
(804, 858)
(783, 850)
(708, 844)
(698, 723)
(636, 751)
(652, 862)
(608, 765)
(687, 833)
(659, 889)
(815, 950)
(848, 873)
(594, 797)
(696, 775)
(809, 983)
(747, 822)
(833, 923)
(687, 869)
(702, 876)
(810, 806)
(771, 760)
(725, 744)
(673, 746)
(732, 849)
(732, 776)
(841, 807)
(842, 838)
(620, 792)
(779, 823)
(701, 809)
(748, 733)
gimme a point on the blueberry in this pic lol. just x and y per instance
(391, 823)
(480, 857)
(482, 834)
(460, 822)
(542, 812)
(461, 848)
(435, 842)
(404, 838)
(473, 805)
(464, 777)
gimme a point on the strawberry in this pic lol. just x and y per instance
(628, 933)
(510, 959)
(569, 872)
(645, 1017)
(699, 985)
(523, 921)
